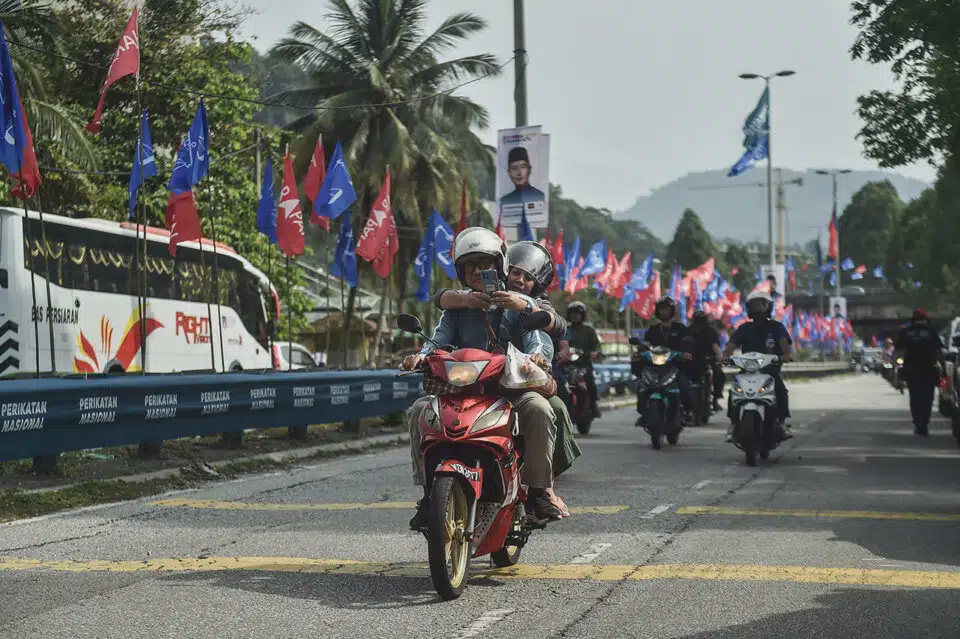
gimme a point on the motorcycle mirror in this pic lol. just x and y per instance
(536, 321)
(409, 324)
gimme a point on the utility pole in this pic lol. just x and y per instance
(782, 211)
(520, 63)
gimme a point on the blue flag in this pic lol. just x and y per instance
(819, 256)
(750, 158)
(856, 276)
(573, 258)
(847, 264)
(15, 139)
(423, 265)
(336, 193)
(596, 259)
(646, 271)
(682, 310)
(630, 289)
(827, 268)
(267, 208)
(878, 273)
(443, 245)
(833, 278)
(193, 158)
(142, 156)
(345, 257)
(757, 125)
(526, 233)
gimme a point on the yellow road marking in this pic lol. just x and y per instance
(696, 572)
(238, 505)
(827, 514)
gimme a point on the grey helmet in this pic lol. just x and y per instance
(475, 242)
(759, 305)
(578, 307)
(535, 260)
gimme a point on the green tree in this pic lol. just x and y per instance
(738, 257)
(376, 81)
(868, 221)
(918, 38)
(691, 245)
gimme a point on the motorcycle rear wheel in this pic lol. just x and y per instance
(506, 556)
(447, 546)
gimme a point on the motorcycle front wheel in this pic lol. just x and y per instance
(447, 545)
(655, 424)
(748, 436)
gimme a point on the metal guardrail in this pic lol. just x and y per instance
(40, 417)
(43, 417)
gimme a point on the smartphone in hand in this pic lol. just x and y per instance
(491, 283)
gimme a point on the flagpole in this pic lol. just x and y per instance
(289, 316)
(36, 314)
(141, 221)
(343, 311)
(216, 272)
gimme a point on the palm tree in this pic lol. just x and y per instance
(375, 81)
(34, 24)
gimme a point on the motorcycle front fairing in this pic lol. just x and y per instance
(753, 388)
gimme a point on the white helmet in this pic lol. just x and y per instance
(759, 304)
(476, 242)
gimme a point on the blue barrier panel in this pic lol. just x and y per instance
(48, 416)
(610, 375)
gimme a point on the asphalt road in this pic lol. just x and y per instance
(851, 530)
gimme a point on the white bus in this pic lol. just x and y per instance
(95, 280)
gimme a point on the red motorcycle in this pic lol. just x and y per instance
(472, 462)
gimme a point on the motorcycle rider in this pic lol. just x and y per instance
(474, 250)
(584, 337)
(763, 334)
(707, 353)
(530, 273)
(675, 336)
(922, 351)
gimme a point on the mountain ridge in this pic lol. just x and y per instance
(738, 208)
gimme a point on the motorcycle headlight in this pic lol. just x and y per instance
(899, 360)
(488, 421)
(464, 373)
(659, 359)
(738, 389)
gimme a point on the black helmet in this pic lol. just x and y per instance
(475, 242)
(699, 318)
(579, 307)
(665, 302)
(535, 260)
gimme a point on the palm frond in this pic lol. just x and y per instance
(454, 71)
(52, 124)
(457, 27)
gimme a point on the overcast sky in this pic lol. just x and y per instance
(636, 93)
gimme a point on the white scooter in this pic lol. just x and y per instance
(753, 406)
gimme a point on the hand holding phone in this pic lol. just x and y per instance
(491, 283)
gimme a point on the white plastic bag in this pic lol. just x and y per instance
(521, 372)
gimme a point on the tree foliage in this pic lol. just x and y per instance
(867, 223)
(592, 225)
(691, 245)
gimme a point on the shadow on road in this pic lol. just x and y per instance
(857, 613)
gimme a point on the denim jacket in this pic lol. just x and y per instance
(465, 328)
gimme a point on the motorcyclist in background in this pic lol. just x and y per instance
(707, 353)
(675, 336)
(477, 249)
(584, 337)
(768, 336)
(922, 352)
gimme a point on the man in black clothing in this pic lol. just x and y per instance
(672, 335)
(584, 337)
(922, 351)
(706, 352)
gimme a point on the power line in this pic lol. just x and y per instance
(281, 105)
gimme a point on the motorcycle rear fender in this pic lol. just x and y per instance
(473, 475)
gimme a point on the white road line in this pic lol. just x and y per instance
(700, 485)
(485, 621)
(659, 510)
(592, 553)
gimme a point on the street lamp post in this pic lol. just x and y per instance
(836, 265)
(766, 79)
(520, 63)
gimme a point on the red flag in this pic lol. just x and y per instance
(793, 280)
(126, 61)
(384, 260)
(314, 180)
(734, 271)
(621, 277)
(289, 214)
(833, 247)
(547, 243)
(862, 269)
(556, 254)
(26, 181)
(377, 232)
(646, 299)
(499, 230)
(183, 221)
(603, 277)
(462, 224)
(702, 275)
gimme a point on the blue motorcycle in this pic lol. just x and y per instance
(658, 393)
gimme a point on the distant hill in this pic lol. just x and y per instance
(741, 213)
